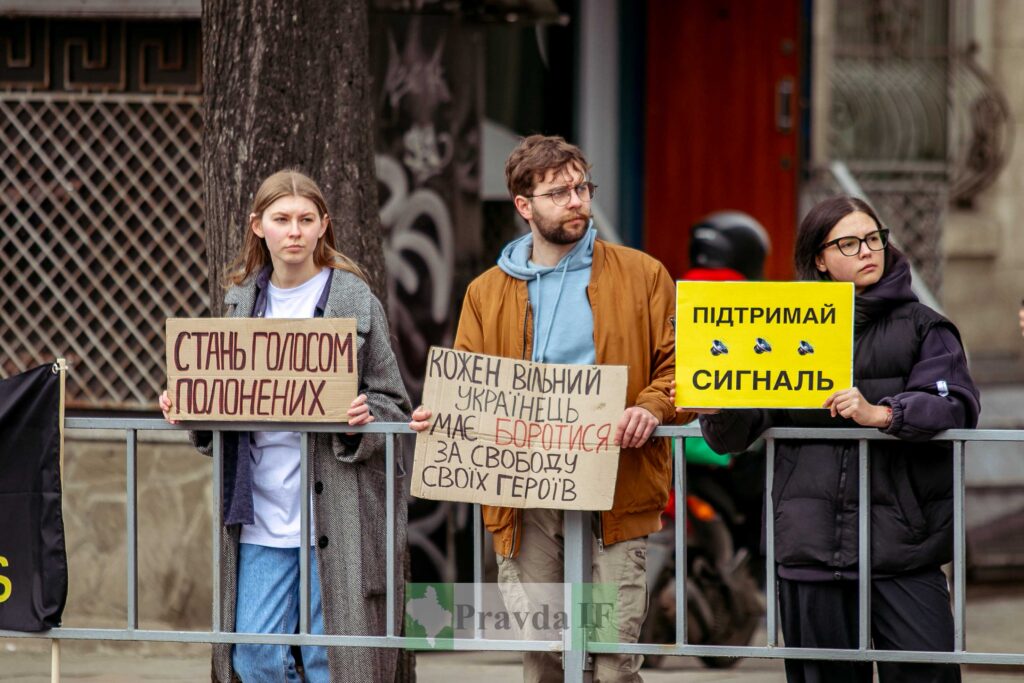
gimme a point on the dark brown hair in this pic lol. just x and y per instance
(534, 157)
(816, 225)
(255, 255)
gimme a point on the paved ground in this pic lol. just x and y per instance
(110, 667)
(993, 625)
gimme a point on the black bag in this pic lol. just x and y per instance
(33, 562)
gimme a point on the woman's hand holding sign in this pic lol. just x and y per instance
(166, 406)
(359, 412)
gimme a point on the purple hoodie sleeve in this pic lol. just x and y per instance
(940, 393)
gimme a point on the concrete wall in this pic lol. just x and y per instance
(173, 530)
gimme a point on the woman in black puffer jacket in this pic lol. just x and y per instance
(911, 381)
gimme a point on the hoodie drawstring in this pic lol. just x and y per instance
(539, 357)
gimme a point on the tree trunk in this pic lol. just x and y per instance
(287, 84)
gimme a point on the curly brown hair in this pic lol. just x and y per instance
(534, 157)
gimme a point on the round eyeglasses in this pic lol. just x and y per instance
(850, 245)
(562, 195)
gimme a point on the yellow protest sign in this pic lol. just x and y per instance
(762, 344)
(519, 434)
(252, 369)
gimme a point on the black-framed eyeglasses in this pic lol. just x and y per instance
(850, 245)
(561, 196)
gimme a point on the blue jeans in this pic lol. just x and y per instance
(268, 602)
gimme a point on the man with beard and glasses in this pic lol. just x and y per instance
(560, 295)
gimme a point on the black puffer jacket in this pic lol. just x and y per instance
(910, 358)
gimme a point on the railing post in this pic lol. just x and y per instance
(132, 531)
(216, 517)
(478, 568)
(959, 548)
(679, 457)
(578, 568)
(304, 534)
(771, 589)
(864, 546)
(389, 532)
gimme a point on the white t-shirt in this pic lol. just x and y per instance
(276, 476)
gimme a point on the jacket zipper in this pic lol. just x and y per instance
(600, 533)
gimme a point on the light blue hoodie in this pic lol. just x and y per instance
(563, 322)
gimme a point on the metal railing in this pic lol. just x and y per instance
(577, 532)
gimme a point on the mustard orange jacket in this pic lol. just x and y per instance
(633, 301)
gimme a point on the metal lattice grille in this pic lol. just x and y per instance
(889, 119)
(101, 208)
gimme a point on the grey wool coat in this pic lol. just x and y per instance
(350, 509)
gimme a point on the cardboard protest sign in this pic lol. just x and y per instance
(244, 369)
(762, 344)
(519, 434)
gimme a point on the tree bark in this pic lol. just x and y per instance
(287, 84)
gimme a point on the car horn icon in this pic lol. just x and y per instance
(718, 348)
(805, 348)
(762, 346)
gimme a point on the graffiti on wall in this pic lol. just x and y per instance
(427, 166)
(419, 253)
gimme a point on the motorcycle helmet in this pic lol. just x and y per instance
(732, 240)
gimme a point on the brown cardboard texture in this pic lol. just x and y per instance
(249, 369)
(519, 434)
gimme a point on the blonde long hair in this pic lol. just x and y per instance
(255, 255)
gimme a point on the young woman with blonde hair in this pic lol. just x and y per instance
(290, 267)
